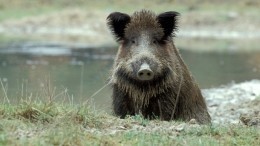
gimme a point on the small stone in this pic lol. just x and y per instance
(180, 127)
(254, 121)
(244, 119)
(193, 121)
(121, 127)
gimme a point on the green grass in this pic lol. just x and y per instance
(47, 123)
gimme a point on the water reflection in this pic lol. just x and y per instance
(76, 77)
(214, 69)
(43, 76)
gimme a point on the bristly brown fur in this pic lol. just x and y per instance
(143, 21)
(172, 93)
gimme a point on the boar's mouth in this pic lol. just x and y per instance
(125, 77)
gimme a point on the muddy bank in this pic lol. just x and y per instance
(235, 102)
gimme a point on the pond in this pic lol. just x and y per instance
(73, 75)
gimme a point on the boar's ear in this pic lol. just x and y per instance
(117, 22)
(168, 21)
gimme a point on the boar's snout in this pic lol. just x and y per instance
(145, 73)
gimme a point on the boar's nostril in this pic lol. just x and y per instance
(141, 73)
(145, 73)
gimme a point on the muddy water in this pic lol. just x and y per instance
(74, 75)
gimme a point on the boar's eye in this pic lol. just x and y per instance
(133, 40)
(155, 41)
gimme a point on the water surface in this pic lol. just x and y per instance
(74, 75)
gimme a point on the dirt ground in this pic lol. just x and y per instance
(235, 103)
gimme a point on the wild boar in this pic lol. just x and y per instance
(149, 77)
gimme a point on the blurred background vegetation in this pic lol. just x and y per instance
(87, 18)
(83, 20)
(20, 8)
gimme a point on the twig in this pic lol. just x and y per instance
(85, 102)
(81, 80)
(5, 97)
(177, 98)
